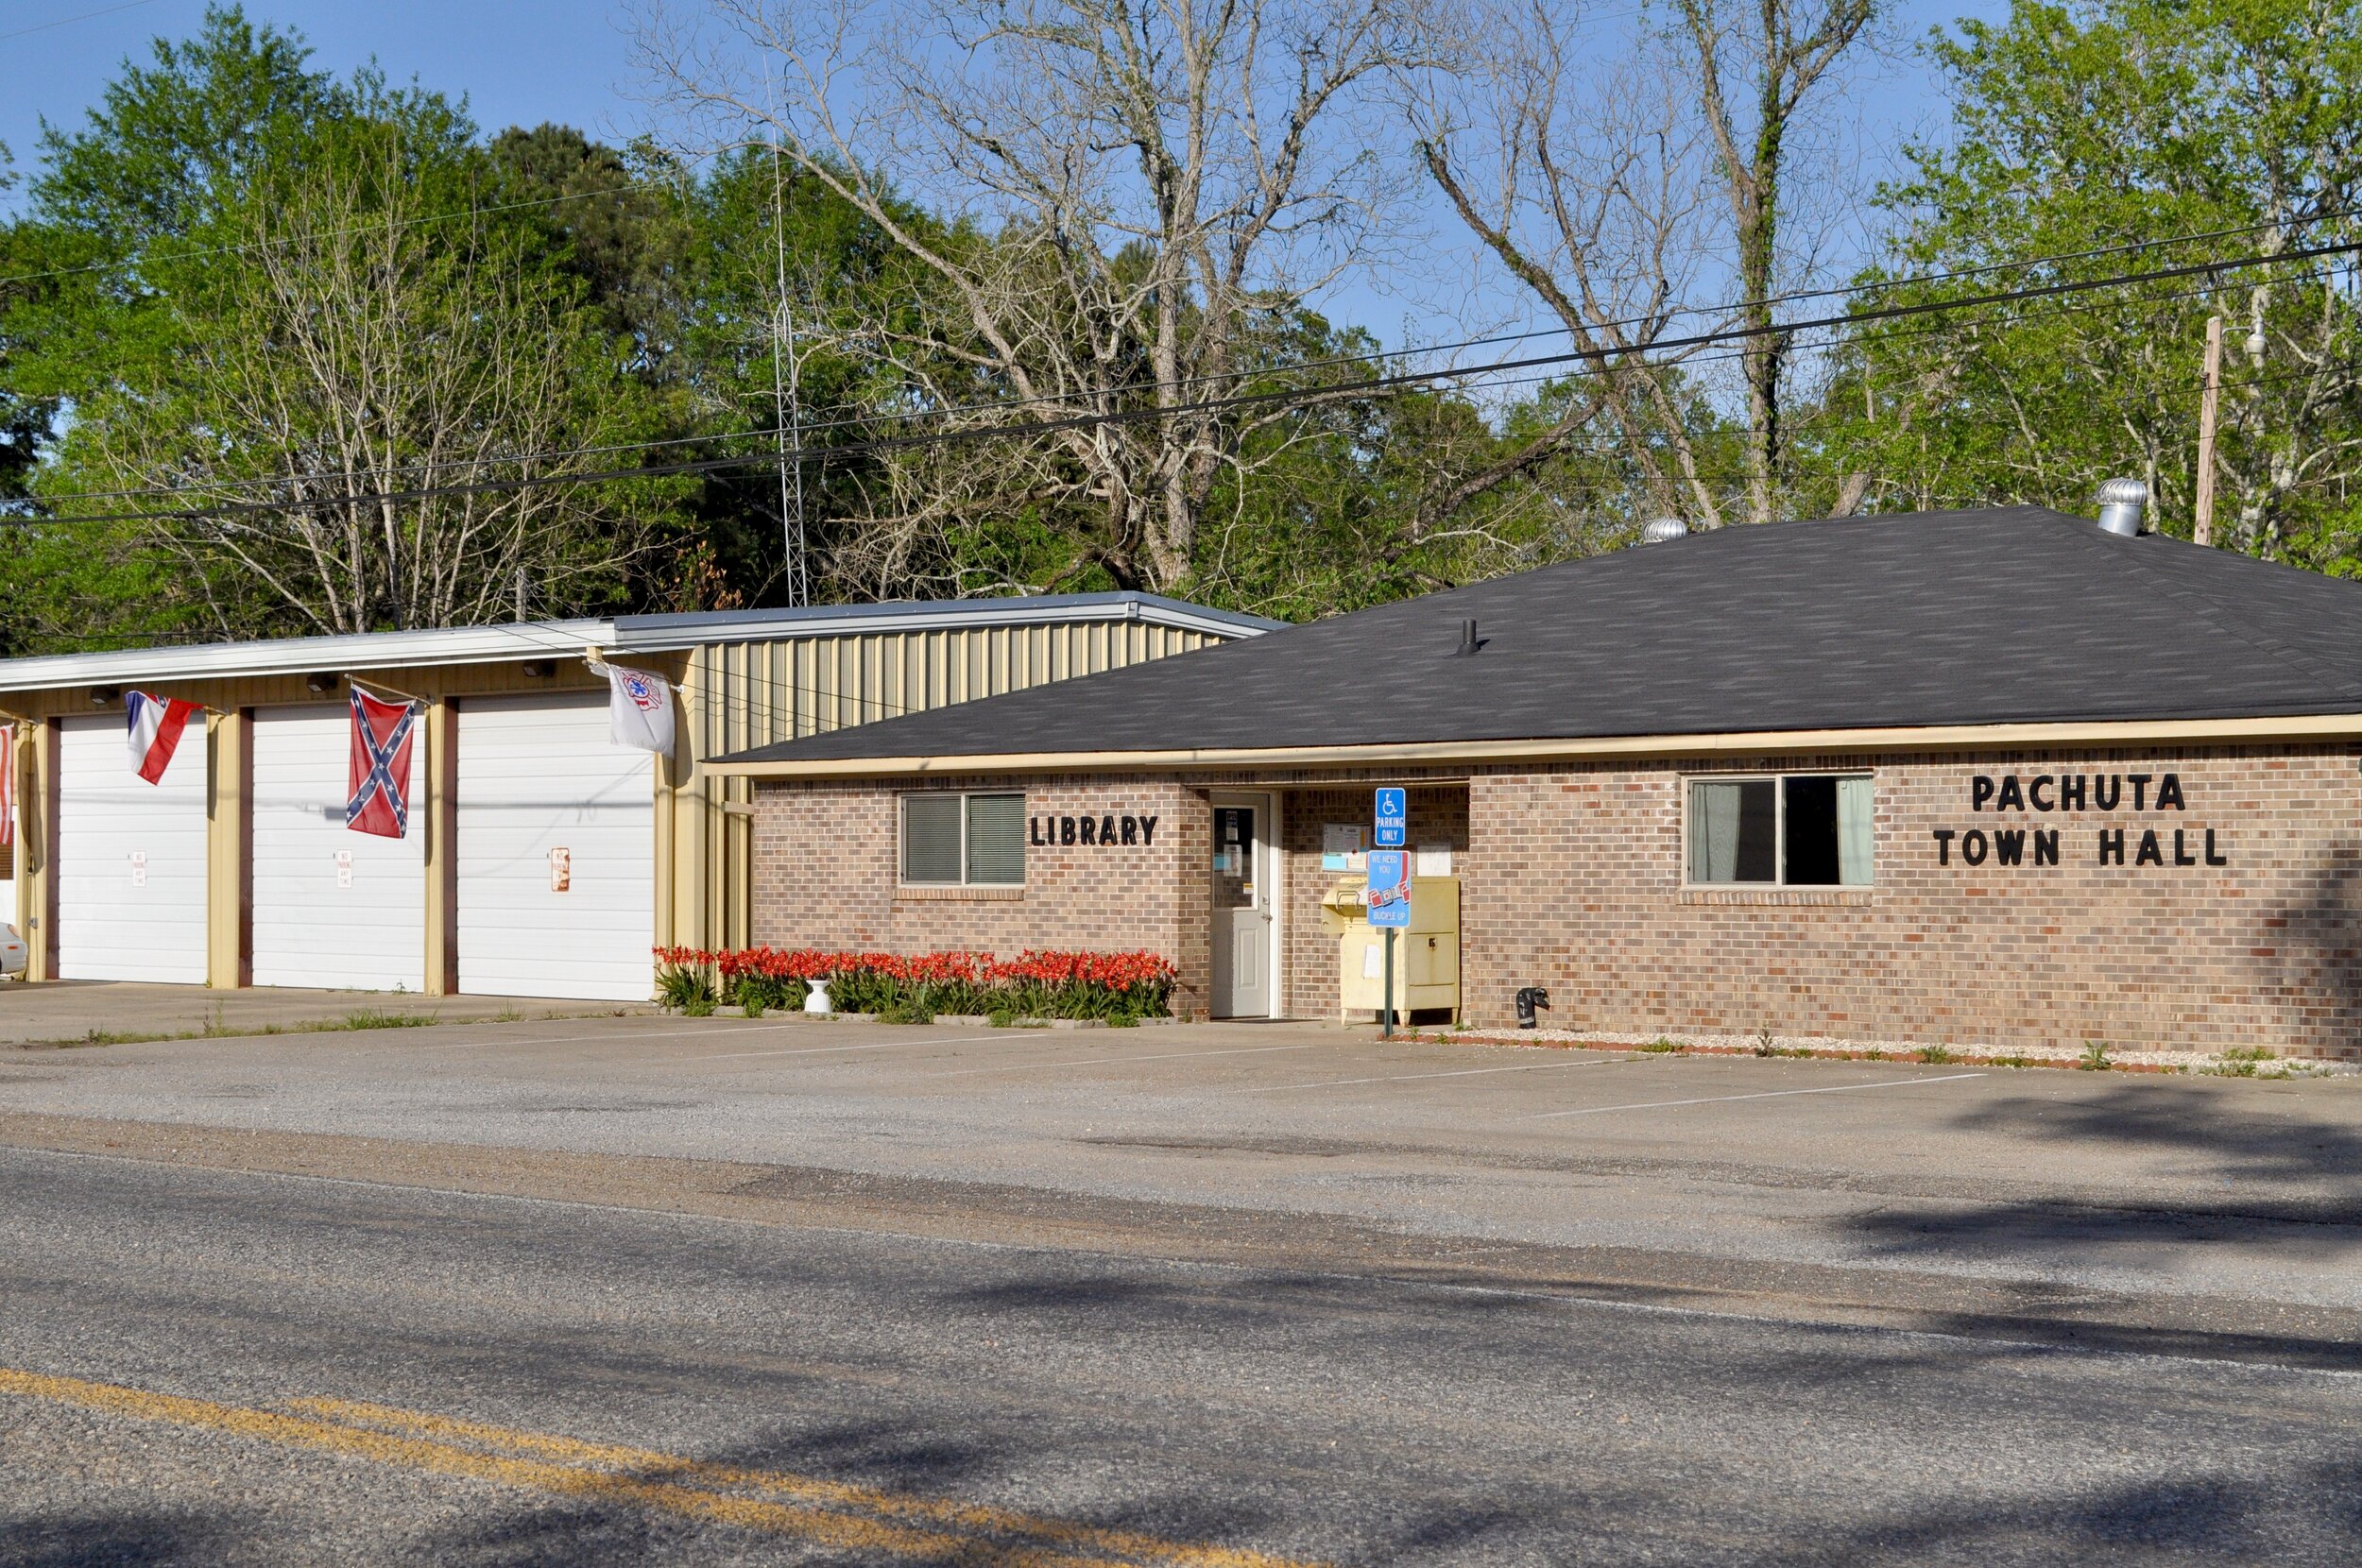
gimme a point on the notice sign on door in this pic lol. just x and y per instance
(139, 868)
(344, 868)
(561, 870)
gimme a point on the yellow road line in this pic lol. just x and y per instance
(967, 1516)
(821, 1525)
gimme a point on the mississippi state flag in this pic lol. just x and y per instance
(156, 724)
(7, 786)
(379, 802)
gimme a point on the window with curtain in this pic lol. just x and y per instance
(964, 840)
(1790, 830)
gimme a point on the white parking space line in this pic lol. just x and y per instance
(1766, 1094)
(826, 1050)
(1456, 1072)
(1097, 1061)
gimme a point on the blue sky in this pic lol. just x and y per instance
(524, 62)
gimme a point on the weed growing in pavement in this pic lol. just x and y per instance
(217, 1026)
(751, 1003)
(1659, 1047)
(2016, 1059)
(1934, 1053)
(509, 1014)
(111, 1037)
(2095, 1057)
(369, 1017)
(1124, 1020)
(2255, 1061)
(1000, 1018)
(1763, 1041)
(906, 1012)
(697, 1004)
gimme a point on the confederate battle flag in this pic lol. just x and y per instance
(381, 766)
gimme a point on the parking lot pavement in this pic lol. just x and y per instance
(1884, 1180)
(75, 1010)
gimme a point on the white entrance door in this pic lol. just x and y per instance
(556, 852)
(1242, 905)
(131, 859)
(332, 907)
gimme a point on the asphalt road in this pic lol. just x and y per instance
(622, 1289)
(209, 1366)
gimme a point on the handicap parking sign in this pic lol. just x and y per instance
(1393, 819)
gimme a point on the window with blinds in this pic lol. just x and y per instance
(1792, 831)
(964, 840)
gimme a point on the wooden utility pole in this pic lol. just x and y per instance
(2209, 402)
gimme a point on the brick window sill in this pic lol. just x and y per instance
(1793, 896)
(958, 895)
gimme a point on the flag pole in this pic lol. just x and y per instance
(380, 689)
(598, 663)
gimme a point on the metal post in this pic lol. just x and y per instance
(2210, 399)
(1386, 1010)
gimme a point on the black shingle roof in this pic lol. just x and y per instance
(2015, 614)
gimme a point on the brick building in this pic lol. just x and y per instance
(1995, 781)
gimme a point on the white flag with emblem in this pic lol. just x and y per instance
(640, 709)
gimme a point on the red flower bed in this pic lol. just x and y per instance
(1037, 983)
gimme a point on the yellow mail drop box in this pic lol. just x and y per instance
(1427, 954)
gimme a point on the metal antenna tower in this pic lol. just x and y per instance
(786, 391)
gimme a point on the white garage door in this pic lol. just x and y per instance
(556, 873)
(332, 907)
(131, 859)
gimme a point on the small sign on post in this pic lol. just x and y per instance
(1390, 912)
(1392, 819)
(1390, 889)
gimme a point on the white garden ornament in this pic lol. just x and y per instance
(816, 1000)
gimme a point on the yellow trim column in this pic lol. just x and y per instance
(440, 821)
(36, 860)
(229, 849)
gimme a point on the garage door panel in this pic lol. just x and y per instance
(538, 775)
(333, 907)
(132, 869)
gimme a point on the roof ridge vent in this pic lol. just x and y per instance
(2121, 504)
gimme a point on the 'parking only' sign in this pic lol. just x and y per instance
(1394, 820)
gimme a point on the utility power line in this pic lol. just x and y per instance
(799, 427)
(1600, 359)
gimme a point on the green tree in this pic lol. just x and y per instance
(300, 305)
(2112, 123)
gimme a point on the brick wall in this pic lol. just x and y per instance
(827, 860)
(1571, 878)
(1575, 882)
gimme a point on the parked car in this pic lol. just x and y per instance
(12, 951)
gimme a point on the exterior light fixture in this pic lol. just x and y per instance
(319, 683)
(101, 695)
